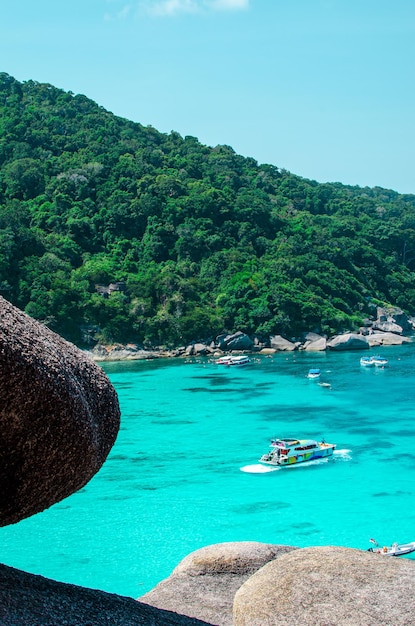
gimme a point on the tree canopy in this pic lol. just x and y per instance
(113, 230)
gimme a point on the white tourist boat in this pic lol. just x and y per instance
(373, 361)
(313, 374)
(379, 361)
(396, 549)
(231, 360)
(290, 451)
(366, 361)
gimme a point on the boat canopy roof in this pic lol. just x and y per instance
(287, 442)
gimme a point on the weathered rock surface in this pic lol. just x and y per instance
(392, 319)
(386, 339)
(236, 341)
(328, 586)
(348, 341)
(204, 584)
(59, 416)
(312, 342)
(281, 344)
(117, 352)
(29, 600)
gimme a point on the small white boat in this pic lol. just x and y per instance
(379, 361)
(290, 451)
(366, 361)
(238, 361)
(396, 549)
(224, 360)
(313, 374)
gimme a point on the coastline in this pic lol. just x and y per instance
(239, 343)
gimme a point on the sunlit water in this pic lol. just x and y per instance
(173, 481)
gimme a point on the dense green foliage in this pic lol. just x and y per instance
(203, 239)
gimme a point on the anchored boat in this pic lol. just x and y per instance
(239, 360)
(370, 361)
(379, 361)
(366, 361)
(290, 451)
(313, 374)
(396, 549)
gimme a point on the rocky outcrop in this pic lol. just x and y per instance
(29, 600)
(281, 344)
(392, 319)
(236, 341)
(204, 584)
(312, 342)
(59, 416)
(386, 339)
(348, 341)
(117, 352)
(328, 586)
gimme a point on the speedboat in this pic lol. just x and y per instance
(313, 374)
(379, 361)
(396, 549)
(290, 451)
(366, 361)
(229, 360)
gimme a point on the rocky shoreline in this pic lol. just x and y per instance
(239, 342)
(392, 327)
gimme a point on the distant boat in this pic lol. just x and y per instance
(314, 373)
(379, 361)
(290, 451)
(230, 360)
(366, 361)
(373, 361)
(224, 360)
(396, 549)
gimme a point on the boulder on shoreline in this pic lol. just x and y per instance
(348, 341)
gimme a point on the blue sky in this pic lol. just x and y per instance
(322, 88)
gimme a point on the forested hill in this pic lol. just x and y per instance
(193, 240)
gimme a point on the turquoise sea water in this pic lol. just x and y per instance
(172, 482)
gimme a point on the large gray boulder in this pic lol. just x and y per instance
(236, 341)
(29, 600)
(328, 586)
(281, 344)
(59, 416)
(312, 342)
(348, 341)
(375, 339)
(204, 584)
(392, 319)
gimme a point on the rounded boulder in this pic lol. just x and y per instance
(59, 416)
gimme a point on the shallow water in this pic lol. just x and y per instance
(173, 481)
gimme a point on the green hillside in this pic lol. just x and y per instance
(194, 240)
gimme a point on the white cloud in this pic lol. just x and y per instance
(163, 8)
(228, 5)
(119, 15)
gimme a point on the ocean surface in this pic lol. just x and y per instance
(173, 481)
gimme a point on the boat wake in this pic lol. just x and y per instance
(343, 455)
(258, 469)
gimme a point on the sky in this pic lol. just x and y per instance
(322, 88)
